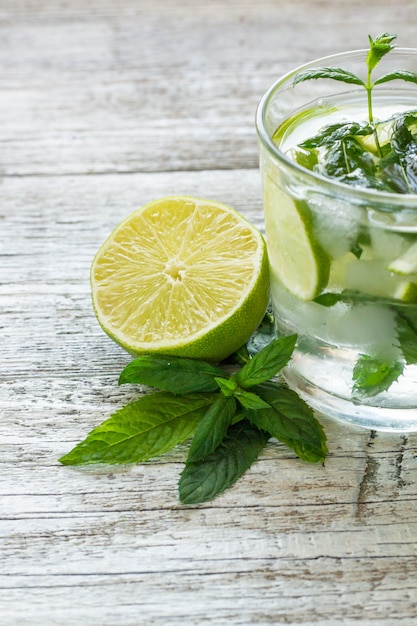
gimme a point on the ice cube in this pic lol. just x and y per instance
(337, 223)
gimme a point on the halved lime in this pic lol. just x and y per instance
(295, 256)
(181, 276)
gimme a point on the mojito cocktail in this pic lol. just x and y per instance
(339, 176)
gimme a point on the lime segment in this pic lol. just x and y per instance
(181, 276)
(406, 291)
(406, 263)
(371, 277)
(296, 258)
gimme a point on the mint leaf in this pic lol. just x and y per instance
(343, 156)
(404, 145)
(247, 399)
(346, 157)
(266, 363)
(398, 166)
(372, 375)
(250, 400)
(203, 480)
(378, 48)
(407, 337)
(330, 298)
(226, 385)
(212, 428)
(224, 442)
(290, 420)
(410, 77)
(336, 132)
(141, 430)
(335, 73)
(174, 374)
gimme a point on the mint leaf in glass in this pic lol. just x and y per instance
(335, 73)
(407, 335)
(378, 48)
(337, 132)
(404, 147)
(409, 77)
(373, 375)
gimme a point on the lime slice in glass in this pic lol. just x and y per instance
(406, 263)
(295, 256)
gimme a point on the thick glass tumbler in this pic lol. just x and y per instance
(343, 257)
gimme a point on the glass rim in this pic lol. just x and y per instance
(405, 200)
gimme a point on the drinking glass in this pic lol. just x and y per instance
(343, 275)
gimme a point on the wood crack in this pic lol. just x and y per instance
(399, 463)
(368, 484)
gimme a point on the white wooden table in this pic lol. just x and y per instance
(105, 105)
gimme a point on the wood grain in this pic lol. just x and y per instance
(104, 106)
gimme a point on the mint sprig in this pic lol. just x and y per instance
(229, 418)
(343, 152)
(378, 48)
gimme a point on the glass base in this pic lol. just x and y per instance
(388, 419)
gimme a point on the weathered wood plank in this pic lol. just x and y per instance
(147, 87)
(104, 106)
(280, 593)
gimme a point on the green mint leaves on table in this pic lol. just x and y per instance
(351, 152)
(229, 418)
